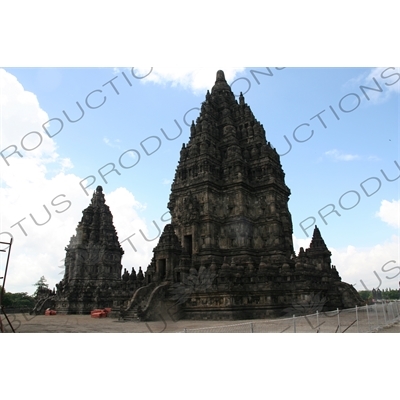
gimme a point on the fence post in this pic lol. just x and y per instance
(377, 318)
(384, 311)
(338, 318)
(369, 324)
(251, 328)
(391, 307)
(318, 321)
(185, 331)
(357, 319)
(294, 324)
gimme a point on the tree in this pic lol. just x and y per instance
(41, 284)
(17, 300)
(6, 301)
(365, 295)
(391, 294)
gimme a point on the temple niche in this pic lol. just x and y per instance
(228, 251)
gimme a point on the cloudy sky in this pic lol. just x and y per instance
(66, 130)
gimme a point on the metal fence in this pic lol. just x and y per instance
(365, 319)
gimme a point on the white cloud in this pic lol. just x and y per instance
(130, 224)
(196, 79)
(115, 144)
(66, 163)
(387, 79)
(29, 194)
(297, 243)
(20, 115)
(389, 212)
(366, 266)
(337, 155)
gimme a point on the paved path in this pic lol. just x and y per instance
(24, 323)
(391, 329)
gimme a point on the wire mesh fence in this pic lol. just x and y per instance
(370, 318)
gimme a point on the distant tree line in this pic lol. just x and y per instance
(22, 301)
(384, 294)
(17, 300)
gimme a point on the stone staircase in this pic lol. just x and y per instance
(138, 301)
(132, 314)
(143, 301)
(42, 304)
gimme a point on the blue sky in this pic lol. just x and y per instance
(355, 137)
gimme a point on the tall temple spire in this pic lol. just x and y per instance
(94, 252)
(92, 277)
(225, 169)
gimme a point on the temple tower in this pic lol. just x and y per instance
(228, 252)
(93, 267)
(229, 198)
(94, 253)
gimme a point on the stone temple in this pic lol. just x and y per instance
(92, 277)
(228, 251)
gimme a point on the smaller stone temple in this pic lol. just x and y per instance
(93, 267)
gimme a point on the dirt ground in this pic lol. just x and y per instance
(395, 328)
(24, 323)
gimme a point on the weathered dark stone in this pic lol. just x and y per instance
(93, 267)
(228, 252)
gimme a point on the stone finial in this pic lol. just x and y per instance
(220, 76)
(192, 129)
(241, 99)
(221, 84)
(98, 197)
(140, 276)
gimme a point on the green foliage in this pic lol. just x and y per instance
(386, 294)
(17, 300)
(40, 285)
(365, 294)
(390, 294)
